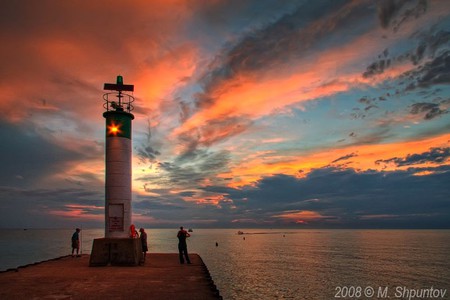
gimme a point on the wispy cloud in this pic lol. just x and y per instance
(242, 110)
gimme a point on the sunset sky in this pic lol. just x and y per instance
(248, 113)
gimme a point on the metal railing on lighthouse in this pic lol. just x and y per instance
(118, 100)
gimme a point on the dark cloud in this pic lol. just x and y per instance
(392, 13)
(387, 9)
(274, 45)
(434, 40)
(146, 151)
(172, 210)
(370, 107)
(187, 194)
(189, 170)
(377, 67)
(232, 15)
(28, 207)
(430, 110)
(185, 111)
(435, 72)
(429, 43)
(27, 156)
(157, 204)
(346, 197)
(365, 100)
(346, 157)
(278, 43)
(202, 137)
(341, 198)
(435, 155)
(52, 196)
(431, 68)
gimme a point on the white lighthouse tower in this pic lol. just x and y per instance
(118, 159)
(119, 246)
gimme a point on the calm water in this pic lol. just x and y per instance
(281, 264)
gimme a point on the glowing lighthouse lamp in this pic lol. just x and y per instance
(117, 248)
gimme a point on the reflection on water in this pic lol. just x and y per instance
(293, 264)
(311, 264)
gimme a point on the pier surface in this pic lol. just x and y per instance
(161, 277)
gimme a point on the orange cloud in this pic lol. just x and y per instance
(87, 172)
(63, 51)
(300, 216)
(249, 171)
(81, 212)
(274, 89)
(213, 199)
(156, 83)
(274, 140)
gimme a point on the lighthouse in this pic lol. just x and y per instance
(118, 116)
(120, 245)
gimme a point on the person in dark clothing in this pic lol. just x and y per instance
(143, 238)
(76, 242)
(182, 246)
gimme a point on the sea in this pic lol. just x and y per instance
(282, 264)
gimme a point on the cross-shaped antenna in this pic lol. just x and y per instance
(119, 86)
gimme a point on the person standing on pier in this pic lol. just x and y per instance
(182, 246)
(76, 242)
(143, 238)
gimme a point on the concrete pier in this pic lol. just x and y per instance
(161, 277)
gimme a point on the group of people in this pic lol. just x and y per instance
(181, 235)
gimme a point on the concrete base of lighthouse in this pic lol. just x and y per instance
(117, 252)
